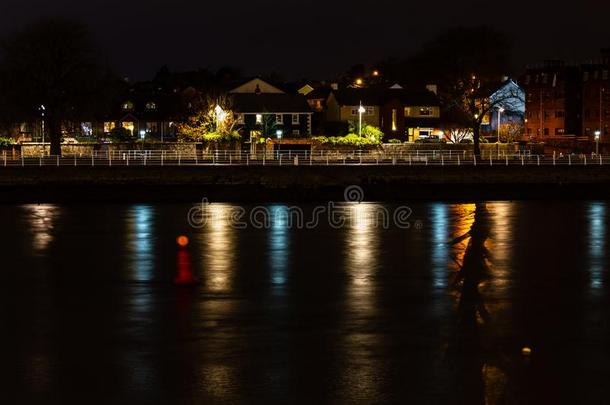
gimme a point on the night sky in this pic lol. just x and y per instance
(311, 38)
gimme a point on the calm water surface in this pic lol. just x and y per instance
(91, 311)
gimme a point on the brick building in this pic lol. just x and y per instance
(568, 99)
(596, 96)
(552, 100)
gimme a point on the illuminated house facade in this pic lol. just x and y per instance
(402, 114)
(508, 99)
(148, 111)
(264, 110)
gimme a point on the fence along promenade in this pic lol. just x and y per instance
(144, 158)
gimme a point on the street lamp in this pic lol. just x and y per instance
(597, 135)
(500, 111)
(361, 110)
(279, 134)
(42, 110)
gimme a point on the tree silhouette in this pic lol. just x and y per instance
(465, 63)
(56, 64)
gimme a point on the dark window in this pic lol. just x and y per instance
(558, 114)
(546, 131)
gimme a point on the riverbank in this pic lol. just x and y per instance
(302, 183)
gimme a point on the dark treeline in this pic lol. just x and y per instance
(56, 64)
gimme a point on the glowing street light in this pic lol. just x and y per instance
(359, 82)
(597, 136)
(279, 134)
(220, 114)
(500, 111)
(42, 110)
(361, 110)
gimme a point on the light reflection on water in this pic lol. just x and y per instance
(279, 244)
(42, 219)
(226, 326)
(439, 222)
(596, 216)
(141, 237)
(481, 243)
(218, 249)
(362, 249)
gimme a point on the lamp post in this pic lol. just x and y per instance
(279, 134)
(42, 110)
(220, 116)
(597, 135)
(361, 110)
(500, 111)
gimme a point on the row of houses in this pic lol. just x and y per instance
(152, 111)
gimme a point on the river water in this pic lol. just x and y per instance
(100, 305)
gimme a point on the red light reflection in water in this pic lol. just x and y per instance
(185, 274)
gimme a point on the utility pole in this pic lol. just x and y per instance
(601, 98)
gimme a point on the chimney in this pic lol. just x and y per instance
(433, 88)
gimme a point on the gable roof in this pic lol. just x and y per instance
(254, 85)
(270, 103)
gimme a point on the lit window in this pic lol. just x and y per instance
(279, 118)
(151, 105)
(240, 118)
(127, 106)
(86, 128)
(109, 126)
(128, 125)
(394, 119)
(259, 118)
(425, 111)
(295, 118)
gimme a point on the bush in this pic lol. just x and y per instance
(119, 134)
(351, 140)
(394, 140)
(220, 137)
(6, 141)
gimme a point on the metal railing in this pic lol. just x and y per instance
(142, 158)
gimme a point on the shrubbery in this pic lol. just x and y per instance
(6, 142)
(220, 137)
(371, 136)
(347, 140)
(120, 134)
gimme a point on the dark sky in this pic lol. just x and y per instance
(311, 38)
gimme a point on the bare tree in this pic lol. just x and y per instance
(456, 133)
(466, 63)
(54, 63)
